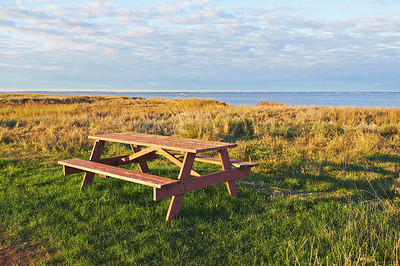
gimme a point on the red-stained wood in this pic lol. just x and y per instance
(174, 207)
(144, 147)
(144, 168)
(120, 173)
(127, 159)
(95, 157)
(196, 183)
(113, 161)
(174, 160)
(215, 160)
(176, 201)
(141, 153)
(164, 142)
(226, 165)
(187, 166)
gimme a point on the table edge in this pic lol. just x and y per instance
(103, 137)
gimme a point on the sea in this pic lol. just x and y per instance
(359, 99)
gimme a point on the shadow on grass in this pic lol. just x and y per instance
(385, 158)
(353, 182)
(291, 181)
(358, 182)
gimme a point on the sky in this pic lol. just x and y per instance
(200, 45)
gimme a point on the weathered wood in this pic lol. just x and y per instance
(144, 168)
(113, 161)
(174, 160)
(95, 157)
(215, 160)
(141, 153)
(120, 173)
(127, 159)
(174, 207)
(196, 183)
(144, 148)
(176, 201)
(69, 170)
(187, 166)
(226, 165)
(164, 142)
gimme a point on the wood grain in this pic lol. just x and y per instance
(164, 142)
(120, 173)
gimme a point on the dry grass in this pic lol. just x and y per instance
(317, 135)
(306, 154)
(308, 140)
(44, 123)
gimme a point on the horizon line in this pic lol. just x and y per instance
(186, 91)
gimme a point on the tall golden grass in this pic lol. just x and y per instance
(44, 123)
(275, 135)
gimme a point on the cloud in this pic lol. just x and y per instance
(373, 2)
(126, 45)
(341, 8)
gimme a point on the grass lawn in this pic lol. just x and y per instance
(325, 191)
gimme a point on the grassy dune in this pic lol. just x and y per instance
(325, 191)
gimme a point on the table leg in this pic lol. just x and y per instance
(95, 157)
(226, 165)
(142, 163)
(176, 201)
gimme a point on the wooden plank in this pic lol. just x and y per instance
(174, 207)
(196, 183)
(144, 168)
(141, 153)
(226, 165)
(165, 142)
(120, 173)
(215, 160)
(174, 160)
(69, 170)
(187, 166)
(127, 159)
(176, 201)
(95, 157)
(113, 161)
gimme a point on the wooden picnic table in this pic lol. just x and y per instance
(180, 151)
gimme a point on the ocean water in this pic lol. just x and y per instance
(360, 99)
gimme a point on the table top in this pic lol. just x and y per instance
(164, 142)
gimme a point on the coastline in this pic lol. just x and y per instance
(357, 99)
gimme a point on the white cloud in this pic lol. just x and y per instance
(341, 8)
(190, 40)
(374, 2)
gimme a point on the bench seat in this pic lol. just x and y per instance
(116, 172)
(216, 160)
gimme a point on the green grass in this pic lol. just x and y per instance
(116, 222)
(324, 192)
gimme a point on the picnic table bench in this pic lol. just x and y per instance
(180, 151)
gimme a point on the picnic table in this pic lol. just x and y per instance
(180, 151)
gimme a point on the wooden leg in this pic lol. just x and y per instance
(174, 207)
(176, 201)
(226, 165)
(232, 188)
(95, 157)
(142, 163)
(174, 160)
